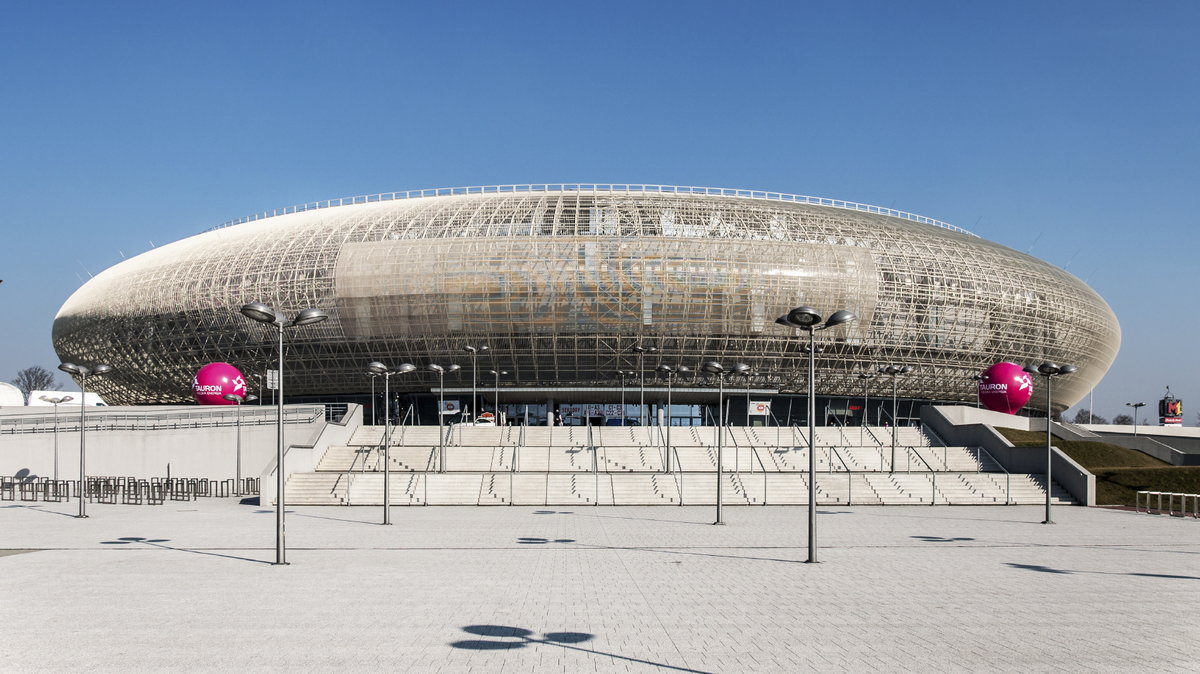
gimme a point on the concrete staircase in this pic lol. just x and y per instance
(557, 466)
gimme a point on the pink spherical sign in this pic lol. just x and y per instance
(1005, 387)
(214, 380)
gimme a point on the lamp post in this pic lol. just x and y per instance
(893, 371)
(865, 378)
(496, 392)
(379, 369)
(261, 313)
(237, 400)
(56, 402)
(474, 351)
(807, 319)
(713, 367)
(1049, 371)
(670, 372)
(641, 352)
(82, 373)
(746, 375)
(441, 372)
(1135, 407)
(622, 374)
(373, 376)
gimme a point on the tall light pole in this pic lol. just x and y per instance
(1049, 371)
(865, 378)
(1135, 407)
(894, 371)
(496, 391)
(81, 373)
(807, 319)
(379, 369)
(474, 351)
(441, 372)
(238, 400)
(641, 352)
(977, 378)
(622, 374)
(261, 313)
(670, 372)
(746, 376)
(56, 401)
(373, 377)
(713, 367)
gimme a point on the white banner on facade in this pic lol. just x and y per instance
(273, 380)
(760, 408)
(450, 407)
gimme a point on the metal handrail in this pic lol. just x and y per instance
(932, 474)
(1007, 475)
(99, 420)
(849, 476)
(598, 188)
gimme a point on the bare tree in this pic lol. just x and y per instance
(36, 378)
(1085, 416)
(1123, 420)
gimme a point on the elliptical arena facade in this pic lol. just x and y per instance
(563, 281)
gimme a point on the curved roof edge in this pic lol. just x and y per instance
(599, 188)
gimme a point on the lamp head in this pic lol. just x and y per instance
(470, 349)
(73, 369)
(376, 367)
(1066, 369)
(1048, 369)
(452, 368)
(406, 368)
(250, 398)
(257, 311)
(309, 316)
(839, 317)
(866, 376)
(665, 368)
(801, 317)
(233, 397)
(434, 367)
(683, 368)
(906, 369)
(741, 368)
(65, 399)
(712, 367)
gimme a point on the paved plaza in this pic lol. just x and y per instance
(188, 586)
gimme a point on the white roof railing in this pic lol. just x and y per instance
(599, 188)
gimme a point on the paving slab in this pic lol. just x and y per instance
(190, 586)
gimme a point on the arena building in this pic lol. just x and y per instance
(564, 283)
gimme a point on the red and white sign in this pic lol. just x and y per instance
(760, 407)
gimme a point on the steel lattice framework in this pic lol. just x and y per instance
(561, 281)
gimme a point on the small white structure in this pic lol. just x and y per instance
(93, 399)
(11, 396)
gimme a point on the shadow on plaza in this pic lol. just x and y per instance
(506, 638)
(158, 543)
(37, 509)
(1046, 569)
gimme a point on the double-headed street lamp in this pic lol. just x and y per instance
(894, 371)
(622, 374)
(257, 311)
(379, 369)
(474, 351)
(641, 352)
(496, 391)
(441, 372)
(238, 400)
(1136, 407)
(56, 401)
(81, 373)
(671, 373)
(807, 319)
(1049, 371)
(865, 378)
(713, 367)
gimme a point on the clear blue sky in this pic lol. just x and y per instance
(1066, 129)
